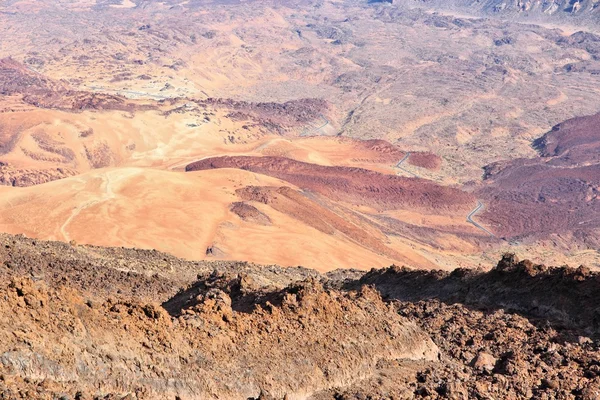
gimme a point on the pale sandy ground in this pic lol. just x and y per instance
(181, 213)
(152, 140)
(148, 140)
(145, 199)
(185, 213)
(148, 202)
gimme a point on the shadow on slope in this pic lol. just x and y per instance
(566, 297)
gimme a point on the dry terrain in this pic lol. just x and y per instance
(299, 199)
(83, 322)
(362, 132)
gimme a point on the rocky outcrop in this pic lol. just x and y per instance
(16, 78)
(10, 176)
(563, 295)
(249, 213)
(226, 335)
(87, 322)
(574, 141)
(425, 160)
(38, 90)
(503, 355)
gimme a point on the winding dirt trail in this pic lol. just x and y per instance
(107, 194)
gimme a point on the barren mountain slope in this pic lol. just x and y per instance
(351, 185)
(242, 215)
(364, 91)
(581, 12)
(555, 193)
(187, 214)
(111, 323)
(467, 89)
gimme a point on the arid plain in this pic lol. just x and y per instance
(194, 193)
(363, 134)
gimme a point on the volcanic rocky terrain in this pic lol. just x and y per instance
(294, 199)
(82, 322)
(555, 193)
(366, 133)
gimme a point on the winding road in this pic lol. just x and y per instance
(471, 214)
(307, 132)
(470, 218)
(399, 165)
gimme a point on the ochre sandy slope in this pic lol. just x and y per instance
(228, 214)
(184, 214)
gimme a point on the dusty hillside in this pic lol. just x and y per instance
(194, 215)
(227, 333)
(376, 120)
(89, 322)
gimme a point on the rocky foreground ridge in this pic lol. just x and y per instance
(83, 322)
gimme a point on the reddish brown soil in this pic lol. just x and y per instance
(42, 92)
(226, 335)
(380, 151)
(555, 193)
(351, 185)
(570, 296)
(321, 217)
(249, 213)
(425, 160)
(537, 199)
(576, 140)
(383, 152)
